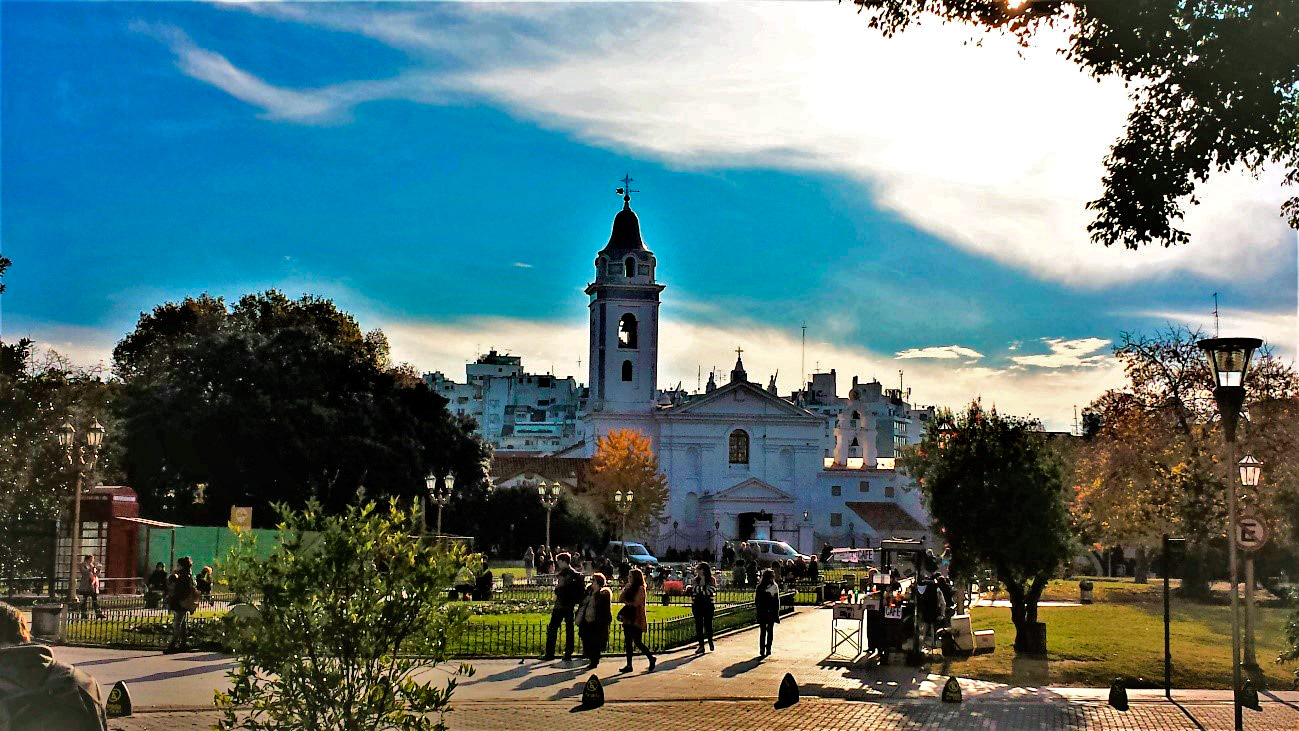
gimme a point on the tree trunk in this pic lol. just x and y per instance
(1142, 568)
(1195, 574)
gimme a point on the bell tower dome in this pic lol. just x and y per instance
(624, 318)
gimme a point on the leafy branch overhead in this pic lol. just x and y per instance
(1214, 86)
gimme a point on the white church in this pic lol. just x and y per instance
(741, 461)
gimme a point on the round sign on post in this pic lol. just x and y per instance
(1251, 534)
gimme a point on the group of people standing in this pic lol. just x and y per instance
(590, 608)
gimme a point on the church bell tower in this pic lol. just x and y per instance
(624, 319)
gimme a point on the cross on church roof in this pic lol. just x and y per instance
(738, 351)
(625, 191)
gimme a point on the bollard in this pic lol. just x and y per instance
(1118, 695)
(119, 701)
(788, 693)
(593, 693)
(952, 690)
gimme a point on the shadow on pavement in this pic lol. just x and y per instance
(518, 671)
(110, 660)
(740, 667)
(196, 670)
(675, 662)
(542, 681)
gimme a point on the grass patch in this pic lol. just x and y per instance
(1091, 645)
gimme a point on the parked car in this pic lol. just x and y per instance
(633, 552)
(768, 553)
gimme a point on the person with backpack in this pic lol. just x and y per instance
(37, 691)
(569, 589)
(182, 599)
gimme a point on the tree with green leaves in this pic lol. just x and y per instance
(276, 400)
(39, 391)
(353, 608)
(624, 462)
(994, 487)
(1214, 85)
(1151, 459)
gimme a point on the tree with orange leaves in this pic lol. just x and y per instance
(625, 462)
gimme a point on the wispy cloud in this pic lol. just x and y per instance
(1279, 329)
(940, 352)
(522, 265)
(790, 86)
(1067, 354)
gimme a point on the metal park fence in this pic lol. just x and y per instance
(805, 593)
(526, 639)
(483, 636)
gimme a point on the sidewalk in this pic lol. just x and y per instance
(694, 691)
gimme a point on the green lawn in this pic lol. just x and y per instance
(1092, 644)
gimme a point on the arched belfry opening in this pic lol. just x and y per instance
(627, 331)
(626, 370)
(629, 267)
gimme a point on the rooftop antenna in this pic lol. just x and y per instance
(699, 377)
(1075, 420)
(899, 382)
(1215, 314)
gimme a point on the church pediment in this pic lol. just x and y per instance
(751, 490)
(741, 397)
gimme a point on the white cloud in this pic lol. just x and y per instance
(940, 352)
(1067, 354)
(1279, 330)
(522, 265)
(994, 152)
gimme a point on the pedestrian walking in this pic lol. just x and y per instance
(767, 601)
(569, 589)
(528, 558)
(39, 692)
(182, 600)
(594, 617)
(632, 617)
(88, 586)
(703, 590)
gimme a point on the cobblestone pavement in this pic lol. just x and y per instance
(816, 714)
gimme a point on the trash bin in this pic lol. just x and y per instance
(1084, 592)
(46, 620)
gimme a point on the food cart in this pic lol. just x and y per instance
(891, 606)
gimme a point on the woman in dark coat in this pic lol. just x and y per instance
(703, 589)
(594, 618)
(767, 601)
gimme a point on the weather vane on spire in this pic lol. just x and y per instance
(625, 191)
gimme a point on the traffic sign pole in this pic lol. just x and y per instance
(1251, 534)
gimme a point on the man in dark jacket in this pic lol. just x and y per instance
(570, 587)
(38, 692)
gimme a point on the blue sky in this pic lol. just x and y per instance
(446, 172)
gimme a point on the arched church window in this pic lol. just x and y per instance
(627, 331)
(629, 267)
(626, 370)
(739, 447)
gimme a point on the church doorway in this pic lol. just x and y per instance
(746, 523)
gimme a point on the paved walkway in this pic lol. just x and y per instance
(729, 688)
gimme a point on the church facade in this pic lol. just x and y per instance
(742, 461)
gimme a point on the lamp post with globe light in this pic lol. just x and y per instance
(440, 494)
(82, 457)
(622, 502)
(1229, 362)
(549, 495)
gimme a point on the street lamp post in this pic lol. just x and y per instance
(1250, 472)
(1229, 361)
(622, 501)
(441, 494)
(549, 495)
(82, 457)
